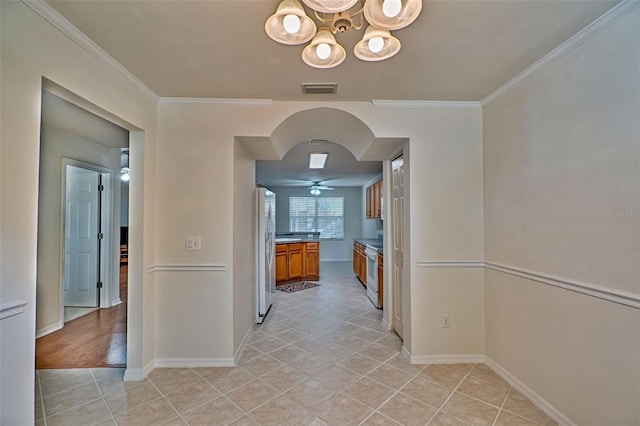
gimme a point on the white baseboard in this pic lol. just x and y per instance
(138, 374)
(525, 390)
(245, 339)
(447, 359)
(193, 362)
(116, 302)
(406, 353)
(386, 325)
(48, 330)
(536, 399)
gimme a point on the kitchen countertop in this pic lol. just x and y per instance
(373, 242)
(293, 240)
(297, 237)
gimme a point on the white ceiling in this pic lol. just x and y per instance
(457, 50)
(341, 169)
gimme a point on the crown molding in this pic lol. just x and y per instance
(399, 104)
(218, 101)
(77, 36)
(582, 36)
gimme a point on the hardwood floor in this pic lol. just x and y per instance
(98, 339)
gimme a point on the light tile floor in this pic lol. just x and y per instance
(321, 357)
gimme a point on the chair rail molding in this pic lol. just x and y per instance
(450, 264)
(602, 292)
(9, 309)
(187, 267)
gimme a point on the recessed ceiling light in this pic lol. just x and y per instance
(317, 160)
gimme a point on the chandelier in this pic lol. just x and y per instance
(290, 25)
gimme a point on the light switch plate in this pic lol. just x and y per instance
(192, 244)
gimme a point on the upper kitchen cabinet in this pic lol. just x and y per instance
(374, 200)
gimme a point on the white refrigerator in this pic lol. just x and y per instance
(265, 251)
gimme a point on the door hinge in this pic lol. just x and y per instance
(99, 284)
(100, 187)
(100, 235)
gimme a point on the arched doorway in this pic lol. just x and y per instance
(351, 133)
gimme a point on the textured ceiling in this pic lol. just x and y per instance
(456, 51)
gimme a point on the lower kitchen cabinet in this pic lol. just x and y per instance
(360, 263)
(282, 268)
(296, 261)
(312, 261)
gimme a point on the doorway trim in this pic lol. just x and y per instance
(388, 313)
(106, 244)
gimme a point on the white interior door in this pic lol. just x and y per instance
(81, 252)
(397, 191)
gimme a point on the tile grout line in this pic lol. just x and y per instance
(224, 394)
(452, 393)
(397, 391)
(75, 406)
(501, 406)
(44, 412)
(163, 396)
(113, 417)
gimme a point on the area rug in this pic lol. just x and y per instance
(293, 287)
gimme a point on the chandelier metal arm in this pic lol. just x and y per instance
(322, 19)
(291, 25)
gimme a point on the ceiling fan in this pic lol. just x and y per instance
(316, 187)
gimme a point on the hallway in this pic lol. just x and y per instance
(321, 357)
(98, 339)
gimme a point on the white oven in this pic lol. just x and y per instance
(372, 274)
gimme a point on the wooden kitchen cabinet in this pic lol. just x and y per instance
(297, 261)
(360, 263)
(375, 205)
(294, 259)
(363, 268)
(282, 268)
(356, 261)
(312, 261)
(374, 200)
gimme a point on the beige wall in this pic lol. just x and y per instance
(244, 244)
(57, 144)
(196, 151)
(31, 48)
(446, 226)
(533, 181)
(561, 154)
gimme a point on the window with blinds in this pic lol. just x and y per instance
(317, 214)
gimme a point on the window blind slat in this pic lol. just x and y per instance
(317, 214)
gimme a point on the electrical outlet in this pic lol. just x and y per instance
(446, 321)
(193, 243)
